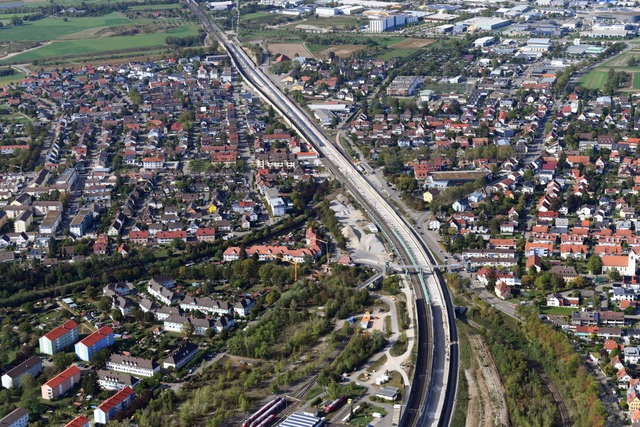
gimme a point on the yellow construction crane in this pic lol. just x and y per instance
(295, 267)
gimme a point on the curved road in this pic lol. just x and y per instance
(432, 405)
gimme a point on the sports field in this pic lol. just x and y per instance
(595, 79)
(62, 49)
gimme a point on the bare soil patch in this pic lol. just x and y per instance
(412, 43)
(341, 51)
(495, 403)
(289, 49)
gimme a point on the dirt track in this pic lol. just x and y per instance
(494, 404)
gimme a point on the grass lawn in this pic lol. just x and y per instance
(5, 80)
(594, 80)
(107, 44)
(397, 53)
(462, 400)
(54, 28)
(198, 165)
(377, 364)
(636, 80)
(558, 311)
(363, 417)
(258, 18)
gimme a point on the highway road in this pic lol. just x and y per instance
(432, 394)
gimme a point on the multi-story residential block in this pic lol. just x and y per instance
(61, 383)
(176, 323)
(31, 366)
(181, 356)
(206, 305)
(116, 403)
(243, 306)
(132, 365)
(86, 348)
(109, 380)
(164, 312)
(16, 418)
(161, 293)
(61, 337)
(79, 421)
(163, 280)
(50, 222)
(81, 222)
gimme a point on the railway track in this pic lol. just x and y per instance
(433, 390)
(307, 384)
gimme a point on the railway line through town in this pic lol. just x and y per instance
(433, 390)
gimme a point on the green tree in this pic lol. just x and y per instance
(63, 360)
(104, 304)
(90, 383)
(135, 97)
(594, 264)
(188, 329)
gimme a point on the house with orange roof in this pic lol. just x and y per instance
(626, 265)
(610, 345)
(616, 363)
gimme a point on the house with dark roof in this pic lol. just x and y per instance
(31, 366)
(181, 356)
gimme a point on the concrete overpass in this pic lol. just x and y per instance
(437, 385)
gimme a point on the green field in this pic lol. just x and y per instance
(157, 7)
(107, 44)
(66, 3)
(558, 311)
(256, 16)
(5, 80)
(332, 22)
(397, 53)
(594, 80)
(55, 28)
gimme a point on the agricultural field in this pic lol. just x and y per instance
(337, 22)
(412, 43)
(76, 48)
(597, 78)
(55, 28)
(258, 18)
(289, 49)
(158, 7)
(341, 51)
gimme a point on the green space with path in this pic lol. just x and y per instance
(101, 45)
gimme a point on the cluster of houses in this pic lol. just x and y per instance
(311, 251)
(179, 168)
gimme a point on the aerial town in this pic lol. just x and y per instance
(298, 214)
